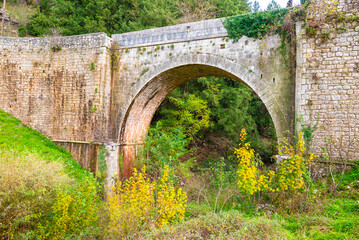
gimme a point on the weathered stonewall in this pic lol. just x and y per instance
(91, 93)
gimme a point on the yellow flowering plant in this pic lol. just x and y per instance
(75, 211)
(138, 203)
(131, 204)
(291, 174)
(250, 179)
(293, 170)
(171, 204)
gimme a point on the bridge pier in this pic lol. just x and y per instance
(112, 159)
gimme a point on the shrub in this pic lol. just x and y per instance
(250, 179)
(162, 147)
(293, 172)
(22, 31)
(138, 203)
(131, 204)
(75, 212)
(28, 186)
(171, 205)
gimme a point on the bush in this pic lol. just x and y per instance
(28, 186)
(250, 178)
(74, 213)
(137, 204)
(162, 147)
(40, 25)
(22, 31)
(225, 225)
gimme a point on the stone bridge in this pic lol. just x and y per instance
(92, 93)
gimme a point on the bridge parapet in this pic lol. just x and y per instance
(178, 33)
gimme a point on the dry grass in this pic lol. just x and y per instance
(27, 190)
(20, 12)
(224, 225)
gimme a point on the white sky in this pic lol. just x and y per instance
(282, 3)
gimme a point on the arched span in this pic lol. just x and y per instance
(153, 87)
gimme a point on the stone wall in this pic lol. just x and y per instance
(90, 90)
(59, 86)
(327, 83)
(152, 63)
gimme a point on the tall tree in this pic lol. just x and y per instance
(256, 7)
(226, 8)
(273, 5)
(71, 17)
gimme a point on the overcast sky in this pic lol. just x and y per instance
(283, 3)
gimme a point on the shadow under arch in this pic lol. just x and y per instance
(153, 87)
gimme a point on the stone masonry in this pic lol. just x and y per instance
(60, 87)
(327, 81)
(154, 62)
(92, 93)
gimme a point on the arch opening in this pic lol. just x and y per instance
(207, 115)
(154, 88)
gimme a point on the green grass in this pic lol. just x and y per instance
(41, 186)
(17, 137)
(337, 219)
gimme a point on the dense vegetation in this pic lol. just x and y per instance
(45, 194)
(43, 191)
(71, 17)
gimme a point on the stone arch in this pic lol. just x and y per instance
(153, 87)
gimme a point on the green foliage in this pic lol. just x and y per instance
(186, 112)
(71, 17)
(232, 112)
(162, 147)
(231, 105)
(255, 25)
(22, 30)
(41, 25)
(226, 8)
(28, 187)
(47, 186)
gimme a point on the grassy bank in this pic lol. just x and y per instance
(44, 192)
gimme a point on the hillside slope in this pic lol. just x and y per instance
(44, 192)
(19, 138)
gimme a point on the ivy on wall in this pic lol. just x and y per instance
(254, 25)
